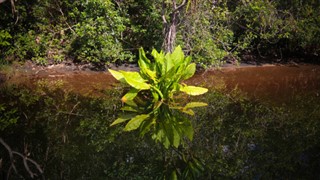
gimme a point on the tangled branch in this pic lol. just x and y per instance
(26, 162)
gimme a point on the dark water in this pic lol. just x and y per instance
(261, 123)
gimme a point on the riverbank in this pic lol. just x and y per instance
(68, 67)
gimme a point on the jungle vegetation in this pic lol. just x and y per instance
(112, 31)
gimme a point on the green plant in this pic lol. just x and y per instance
(151, 102)
(206, 33)
(99, 33)
(4, 37)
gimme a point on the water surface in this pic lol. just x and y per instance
(261, 123)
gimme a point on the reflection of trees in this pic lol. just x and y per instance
(234, 138)
(26, 163)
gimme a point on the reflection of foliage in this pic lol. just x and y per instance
(237, 138)
(150, 101)
(69, 136)
(7, 118)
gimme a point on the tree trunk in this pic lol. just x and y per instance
(170, 28)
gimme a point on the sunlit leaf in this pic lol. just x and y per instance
(193, 90)
(146, 66)
(135, 122)
(143, 57)
(188, 111)
(135, 80)
(177, 56)
(168, 62)
(130, 95)
(159, 58)
(195, 104)
(117, 75)
(189, 71)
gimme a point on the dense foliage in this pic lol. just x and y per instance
(110, 30)
(151, 104)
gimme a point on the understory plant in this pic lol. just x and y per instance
(150, 104)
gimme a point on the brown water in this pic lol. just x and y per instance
(68, 134)
(266, 83)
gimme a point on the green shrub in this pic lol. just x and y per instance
(206, 34)
(259, 24)
(98, 34)
(150, 103)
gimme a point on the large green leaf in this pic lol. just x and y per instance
(129, 108)
(188, 111)
(176, 138)
(146, 125)
(145, 66)
(117, 75)
(193, 90)
(187, 129)
(195, 104)
(168, 62)
(135, 122)
(189, 71)
(160, 62)
(160, 135)
(130, 95)
(135, 80)
(143, 57)
(177, 56)
(123, 118)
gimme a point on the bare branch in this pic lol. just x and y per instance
(180, 6)
(25, 162)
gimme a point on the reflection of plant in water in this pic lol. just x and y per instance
(234, 138)
(150, 102)
(7, 117)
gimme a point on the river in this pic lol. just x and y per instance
(261, 122)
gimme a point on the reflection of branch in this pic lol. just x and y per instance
(12, 166)
(25, 160)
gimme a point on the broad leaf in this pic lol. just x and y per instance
(177, 56)
(130, 95)
(123, 118)
(117, 75)
(188, 129)
(129, 108)
(143, 57)
(189, 71)
(176, 137)
(135, 122)
(193, 90)
(195, 104)
(188, 111)
(146, 125)
(135, 80)
(169, 65)
(146, 66)
(160, 65)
